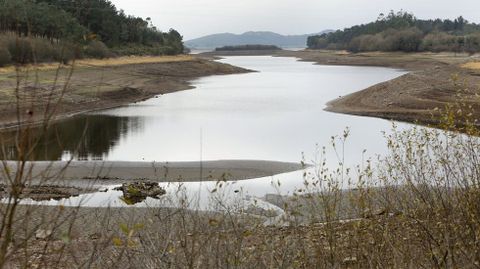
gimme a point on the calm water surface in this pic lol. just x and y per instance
(274, 114)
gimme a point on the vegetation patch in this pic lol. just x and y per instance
(59, 31)
(248, 47)
(138, 191)
(472, 65)
(402, 31)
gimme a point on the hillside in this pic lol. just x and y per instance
(402, 31)
(259, 38)
(33, 31)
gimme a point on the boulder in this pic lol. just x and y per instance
(43, 234)
(138, 191)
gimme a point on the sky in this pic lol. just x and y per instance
(196, 18)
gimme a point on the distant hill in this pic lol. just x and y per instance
(259, 38)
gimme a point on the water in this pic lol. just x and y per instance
(274, 114)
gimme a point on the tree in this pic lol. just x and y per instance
(402, 31)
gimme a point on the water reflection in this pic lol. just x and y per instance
(80, 138)
(274, 114)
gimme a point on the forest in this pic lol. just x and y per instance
(247, 47)
(86, 28)
(402, 31)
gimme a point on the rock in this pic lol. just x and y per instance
(43, 234)
(138, 191)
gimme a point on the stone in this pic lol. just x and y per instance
(43, 234)
(138, 191)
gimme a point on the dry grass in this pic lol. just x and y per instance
(416, 208)
(134, 60)
(472, 65)
(126, 60)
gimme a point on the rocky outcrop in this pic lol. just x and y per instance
(138, 191)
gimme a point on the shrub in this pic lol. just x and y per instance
(407, 40)
(97, 49)
(472, 43)
(66, 52)
(437, 42)
(29, 50)
(21, 50)
(365, 43)
(42, 50)
(5, 57)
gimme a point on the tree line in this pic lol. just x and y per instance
(97, 25)
(402, 31)
(248, 47)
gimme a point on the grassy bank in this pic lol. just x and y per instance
(108, 62)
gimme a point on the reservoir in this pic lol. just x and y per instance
(276, 113)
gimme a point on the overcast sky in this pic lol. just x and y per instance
(195, 18)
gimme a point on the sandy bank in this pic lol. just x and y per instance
(56, 180)
(104, 172)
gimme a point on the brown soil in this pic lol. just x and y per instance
(94, 87)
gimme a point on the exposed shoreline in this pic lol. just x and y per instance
(116, 172)
(62, 178)
(420, 96)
